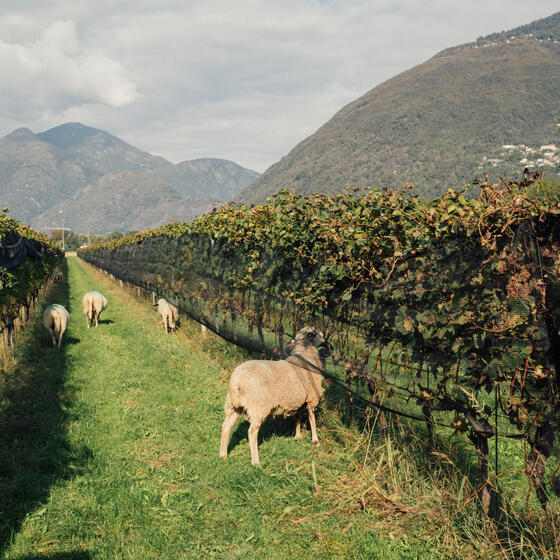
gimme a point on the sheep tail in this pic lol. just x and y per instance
(232, 399)
(56, 323)
(88, 308)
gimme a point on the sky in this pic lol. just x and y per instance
(243, 80)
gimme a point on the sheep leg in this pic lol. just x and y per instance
(253, 441)
(298, 424)
(314, 437)
(231, 418)
(96, 317)
(53, 337)
(165, 323)
(59, 337)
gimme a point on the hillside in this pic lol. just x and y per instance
(65, 172)
(98, 152)
(442, 123)
(221, 178)
(123, 201)
(31, 171)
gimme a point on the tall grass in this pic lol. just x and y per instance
(109, 449)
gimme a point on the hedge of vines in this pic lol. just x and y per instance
(27, 260)
(450, 305)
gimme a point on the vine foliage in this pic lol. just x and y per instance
(27, 260)
(434, 304)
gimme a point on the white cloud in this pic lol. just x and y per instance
(55, 69)
(244, 80)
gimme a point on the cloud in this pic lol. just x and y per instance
(244, 80)
(55, 69)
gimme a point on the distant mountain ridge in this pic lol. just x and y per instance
(93, 181)
(546, 29)
(437, 125)
(221, 178)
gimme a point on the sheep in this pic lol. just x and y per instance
(55, 319)
(94, 303)
(262, 388)
(169, 313)
(57, 275)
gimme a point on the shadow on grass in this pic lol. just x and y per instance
(105, 321)
(271, 426)
(57, 556)
(46, 344)
(34, 451)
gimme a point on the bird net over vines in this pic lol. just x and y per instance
(26, 259)
(448, 307)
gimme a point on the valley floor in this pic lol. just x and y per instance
(109, 449)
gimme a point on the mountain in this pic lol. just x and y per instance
(123, 201)
(442, 123)
(30, 171)
(96, 182)
(221, 178)
(98, 152)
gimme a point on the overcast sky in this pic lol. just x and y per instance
(244, 80)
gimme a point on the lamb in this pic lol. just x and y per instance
(262, 388)
(94, 303)
(55, 319)
(169, 313)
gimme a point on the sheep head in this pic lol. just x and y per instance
(306, 337)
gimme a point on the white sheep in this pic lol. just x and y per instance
(262, 388)
(56, 319)
(94, 303)
(169, 313)
(57, 275)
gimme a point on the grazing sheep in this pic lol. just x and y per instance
(57, 275)
(94, 303)
(261, 388)
(55, 319)
(169, 313)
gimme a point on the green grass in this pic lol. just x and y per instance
(109, 449)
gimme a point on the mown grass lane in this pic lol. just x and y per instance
(110, 450)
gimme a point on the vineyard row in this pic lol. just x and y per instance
(447, 308)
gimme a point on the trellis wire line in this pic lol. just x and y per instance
(379, 406)
(343, 386)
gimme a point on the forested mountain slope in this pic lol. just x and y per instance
(442, 123)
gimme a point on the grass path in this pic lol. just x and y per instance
(125, 461)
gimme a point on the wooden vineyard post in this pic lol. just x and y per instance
(233, 315)
(250, 326)
(481, 446)
(280, 332)
(427, 413)
(426, 408)
(481, 431)
(372, 387)
(349, 375)
(535, 464)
